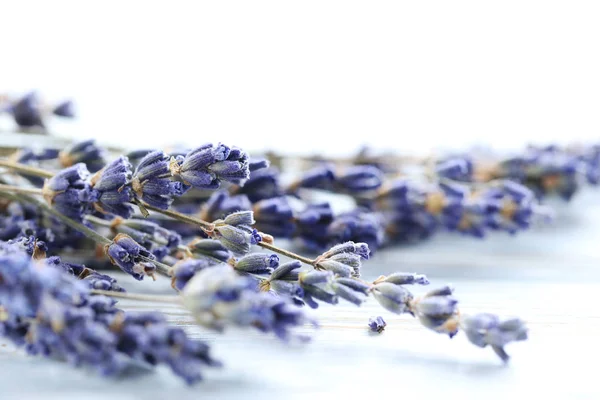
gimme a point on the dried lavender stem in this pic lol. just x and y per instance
(21, 190)
(26, 168)
(286, 253)
(176, 299)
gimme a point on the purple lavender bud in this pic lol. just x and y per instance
(488, 329)
(394, 298)
(361, 178)
(65, 109)
(258, 163)
(344, 259)
(240, 218)
(438, 311)
(377, 324)
(316, 292)
(257, 263)
(354, 284)
(128, 255)
(211, 249)
(312, 225)
(315, 277)
(286, 271)
(111, 191)
(235, 232)
(275, 216)
(27, 111)
(221, 204)
(94, 279)
(456, 169)
(151, 181)
(262, 184)
(184, 270)
(29, 244)
(404, 278)
(347, 293)
(68, 191)
(206, 166)
(86, 152)
(220, 288)
(321, 177)
(286, 288)
(358, 226)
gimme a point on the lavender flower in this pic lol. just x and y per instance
(377, 324)
(394, 298)
(27, 111)
(153, 237)
(456, 168)
(217, 296)
(284, 282)
(235, 232)
(315, 285)
(64, 109)
(132, 258)
(489, 329)
(275, 216)
(262, 184)
(312, 224)
(111, 193)
(211, 250)
(257, 263)
(87, 152)
(94, 279)
(221, 204)
(184, 270)
(438, 311)
(152, 184)
(357, 226)
(321, 177)
(68, 191)
(360, 178)
(54, 315)
(344, 259)
(208, 165)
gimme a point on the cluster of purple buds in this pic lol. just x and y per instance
(262, 184)
(546, 171)
(221, 204)
(218, 296)
(275, 215)
(131, 257)
(256, 263)
(460, 169)
(110, 191)
(94, 279)
(353, 180)
(235, 232)
(437, 310)
(50, 313)
(86, 152)
(29, 112)
(391, 293)
(208, 165)
(344, 259)
(158, 240)
(69, 191)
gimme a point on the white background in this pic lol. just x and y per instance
(326, 76)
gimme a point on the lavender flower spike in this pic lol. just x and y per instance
(111, 193)
(87, 152)
(235, 232)
(257, 263)
(68, 191)
(208, 165)
(128, 255)
(489, 329)
(344, 259)
(438, 311)
(217, 297)
(151, 181)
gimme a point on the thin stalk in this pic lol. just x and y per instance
(138, 296)
(19, 189)
(26, 168)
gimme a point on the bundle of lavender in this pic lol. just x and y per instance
(197, 217)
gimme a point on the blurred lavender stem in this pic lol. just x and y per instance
(176, 299)
(26, 168)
